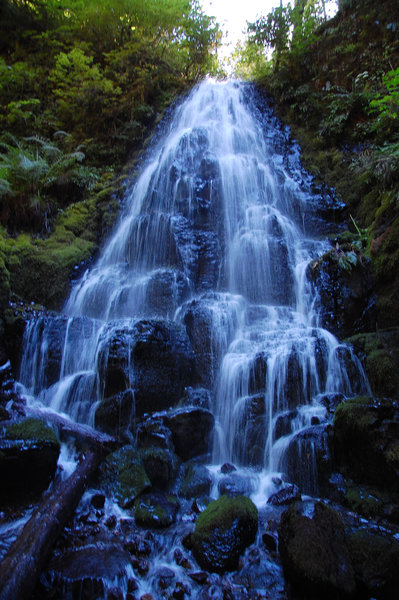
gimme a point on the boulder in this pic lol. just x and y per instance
(191, 431)
(314, 553)
(375, 559)
(365, 441)
(223, 531)
(29, 452)
(153, 432)
(122, 475)
(287, 495)
(113, 415)
(155, 358)
(344, 285)
(155, 510)
(86, 572)
(161, 466)
(196, 481)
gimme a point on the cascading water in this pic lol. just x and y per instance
(217, 233)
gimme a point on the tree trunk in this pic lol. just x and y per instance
(85, 436)
(22, 565)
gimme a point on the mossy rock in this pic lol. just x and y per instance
(123, 476)
(29, 452)
(375, 559)
(161, 465)
(314, 553)
(365, 441)
(379, 352)
(223, 531)
(155, 510)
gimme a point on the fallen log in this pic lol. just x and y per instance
(27, 556)
(86, 436)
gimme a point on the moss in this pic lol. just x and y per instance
(223, 512)
(156, 510)
(353, 414)
(123, 475)
(32, 430)
(360, 500)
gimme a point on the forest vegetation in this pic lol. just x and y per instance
(82, 85)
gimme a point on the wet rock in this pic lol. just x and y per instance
(83, 572)
(199, 397)
(365, 441)
(375, 559)
(166, 290)
(379, 353)
(236, 484)
(258, 573)
(191, 430)
(286, 495)
(307, 461)
(97, 501)
(196, 481)
(331, 401)
(314, 553)
(269, 541)
(161, 466)
(154, 510)
(164, 577)
(153, 432)
(250, 443)
(122, 475)
(163, 363)
(227, 468)
(345, 291)
(223, 531)
(113, 415)
(138, 545)
(283, 424)
(29, 452)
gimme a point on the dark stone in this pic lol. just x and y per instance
(153, 432)
(270, 541)
(365, 441)
(161, 466)
(236, 484)
(196, 481)
(283, 424)
(122, 475)
(163, 362)
(191, 430)
(250, 444)
(138, 545)
(227, 468)
(286, 495)
(113, 415)
(154, 510)
(331, 401)
(314, 553)
(164, 577)
(81, 572)
(199, 397)
(97, 501)
(307, 460)
(29, 452)
(347, 304)
(375, 559)
(167, 289)
(223, 531)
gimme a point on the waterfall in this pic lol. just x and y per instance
(216, 235)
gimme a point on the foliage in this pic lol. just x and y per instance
(386, 105)
(30, 170)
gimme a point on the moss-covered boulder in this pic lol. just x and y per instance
(161, 466)
(366, 441)
(156, 510)
(29, 453)
(314, 553)
(223, 531)
(375, 559)
(379, 353)
(123, 476)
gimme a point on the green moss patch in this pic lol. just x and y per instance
(32, 430)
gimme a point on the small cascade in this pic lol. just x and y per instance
(205, 276)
